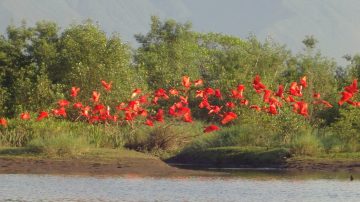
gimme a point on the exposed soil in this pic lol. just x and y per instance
(291, 165)
(129, 167)
(352, 166)
(151, 167)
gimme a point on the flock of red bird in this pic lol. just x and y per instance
(128, 112)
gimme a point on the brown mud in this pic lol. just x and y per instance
(150, 167)
(128, 167)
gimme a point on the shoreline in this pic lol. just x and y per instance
(133, 168)
(128, 163)
(154, 167)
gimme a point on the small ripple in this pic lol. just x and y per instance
(65, 188)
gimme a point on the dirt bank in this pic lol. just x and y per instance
(122, 167)
(111, 162)
(330, 165)
(146, 167)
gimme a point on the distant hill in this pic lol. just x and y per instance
(335, 23)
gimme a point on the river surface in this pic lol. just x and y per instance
(18, 187)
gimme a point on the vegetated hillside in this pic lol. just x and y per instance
(334, 23)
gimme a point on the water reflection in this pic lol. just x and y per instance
(70, 188)
(276, 173)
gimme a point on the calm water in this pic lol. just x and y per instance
(72, 188)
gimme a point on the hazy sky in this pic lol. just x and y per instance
(335, 23)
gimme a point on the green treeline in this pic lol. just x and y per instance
(39, 64)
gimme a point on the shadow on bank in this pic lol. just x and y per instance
(232, 157)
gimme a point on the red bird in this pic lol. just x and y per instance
(218, 93)
(204, 103)
(214, 109)
(74, 91)
(230, 105)
(272, 109)
(85, 111)
(303, 82)
(267, 94)
(3, 122)
(199, 82)
(211, 128)
(236, 94)
(98, 108)
(94, 119)
(129, 116)
(149, 122)
(353, 88)
(121, 106)
(59, 112)
(184, 100)
(77, 105)
(25, 116)
(143, 112)
(135, 93)
(280, 92)
(199, 93)
(160, 115)
(186, 82)
(209, 91)
(244, 102)
(255, 107)
(273, 100)
(161, 93)
(173, 92)
(228, 117)
(172, 110)
(316, 95)
(352, 103)
(345, 97)
(63, 103)
(295, 90)
(290, 99)
(107, 86)
(258, 86)
(143, 99)
(42, 115)
(303, 108)
(95, 96)
(326, 103)
(187, 117)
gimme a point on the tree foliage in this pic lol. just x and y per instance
(39, 64)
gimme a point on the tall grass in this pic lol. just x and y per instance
(62, 145)
(60, 137)
(305, 142)
(163, 139)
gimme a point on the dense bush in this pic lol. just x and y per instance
(39, 64)
(347, 129)
(164, 137)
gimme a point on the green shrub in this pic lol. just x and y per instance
(164, 137)
(347, 129)
(111, 136)
(332, 143)
(61, 145)
(17, 134)
(306, 144)
(236, 135)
